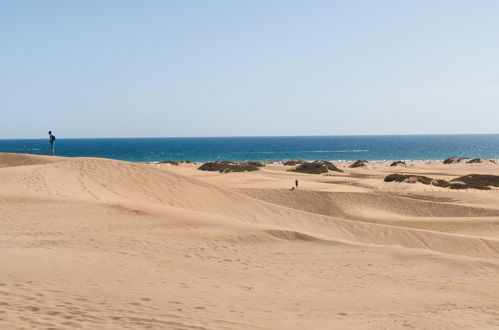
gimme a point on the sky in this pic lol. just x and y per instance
(104, 68)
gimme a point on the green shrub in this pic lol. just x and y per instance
(228, 166)
(310, 168)
(424, 179)
(478, 181)
(454, 160)
(171, 162)
(294, 162)
(401, 178)
(256, 164)
(359, 163)
(441, 183)
(480, 160)
(397, 163)
(396, 177)
(330, 166)
(317, 167)
(471, 181)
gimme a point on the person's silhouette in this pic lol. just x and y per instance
(52, 143)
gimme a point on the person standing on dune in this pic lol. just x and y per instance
(52, 143)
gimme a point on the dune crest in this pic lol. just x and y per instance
(119, 240)
(147, 188)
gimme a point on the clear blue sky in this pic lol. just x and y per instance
(250, 67)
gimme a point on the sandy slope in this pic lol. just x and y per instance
(103, 244)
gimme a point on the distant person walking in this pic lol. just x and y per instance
(296, 184)
(52, 143)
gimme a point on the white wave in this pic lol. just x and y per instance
(325, 151)
(302, 151)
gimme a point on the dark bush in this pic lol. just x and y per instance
(331, 166)
(228, 166)
(402, 178)
(359, 163)
(471, 181)
(480, 160)
(478, 181)
(294, 162)
(441, 183)
(256, 164)
(171, 162)
(455, 160)
(310, 168)
(397, 163)
(174, 162)
(317, 167)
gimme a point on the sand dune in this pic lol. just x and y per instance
(98, 243)
(366, 205)
(11, 160)
(388, 209)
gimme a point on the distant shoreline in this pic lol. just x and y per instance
(382, 161)
(273, 149)
(187, 161)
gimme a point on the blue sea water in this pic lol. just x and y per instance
(389, 147)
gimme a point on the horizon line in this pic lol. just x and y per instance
(252, 136)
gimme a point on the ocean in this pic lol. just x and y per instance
(335, 148)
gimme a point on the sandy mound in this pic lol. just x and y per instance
(365, 205)
(147, 189)
(103, 244)
(388, 209)
(10, 160)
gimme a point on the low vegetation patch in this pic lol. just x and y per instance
(480, 160)
(317, 167)
(294, 162)
(471, 181)
(455, 160)
(441, 183)
(175, 162)
(171, 162)
(398, 163)
(256, 164)
(228, 166)
(477, 181)
(408, 178)
(359, 163)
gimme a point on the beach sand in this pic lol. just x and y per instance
(104, 244)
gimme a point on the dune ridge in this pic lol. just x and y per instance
(162, 233)
(116, 182)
